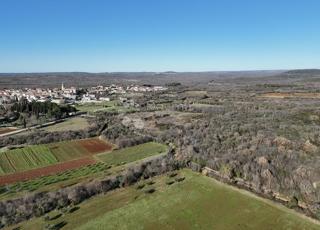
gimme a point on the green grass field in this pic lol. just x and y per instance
(130, 154)
(36, 156)
(94, 107)
(75, 123)
(103, 106)
(197, 202)
(17, 160)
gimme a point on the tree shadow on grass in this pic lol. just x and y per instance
(74, 209)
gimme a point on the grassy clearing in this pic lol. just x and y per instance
(195, 93)
(75, 123)
(36, 156)
(104, 107)
(197, 202)
(130, 154)
(94, 107)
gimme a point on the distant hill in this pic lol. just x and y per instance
(304, 71)
(83, 79)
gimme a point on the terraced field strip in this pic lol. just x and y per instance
(54, 181)
(49, 170)
(37, 156)
(26, 158)
(131, 154)
(88, 171)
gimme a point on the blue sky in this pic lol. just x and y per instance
(158, 35)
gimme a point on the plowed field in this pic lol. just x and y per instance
(49, 170)
(94, 146)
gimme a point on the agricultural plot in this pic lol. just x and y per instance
(37, 156)
(130, 154)
(185, 201)
(44, 171)
(75, 170)
(26, 158)
(67, 171)
(95, 145)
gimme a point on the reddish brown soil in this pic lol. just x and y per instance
(49, 170)
(95, 145)
(6, 130)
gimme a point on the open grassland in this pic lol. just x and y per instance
(75, 123)
(92, 107)
(97, 106)
(195, 93)
(197, 202)
(36, 156)
(130, 154)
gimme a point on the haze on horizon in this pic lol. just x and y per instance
(180, 35)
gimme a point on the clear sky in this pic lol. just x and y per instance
(158, 35)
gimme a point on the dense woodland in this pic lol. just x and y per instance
(25, 114)
(48, 109)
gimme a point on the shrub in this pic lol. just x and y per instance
(170, 182)
(150, 190)
(180, 179)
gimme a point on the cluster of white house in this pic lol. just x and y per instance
(71, 95)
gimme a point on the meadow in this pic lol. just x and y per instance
(94, 107)
(75, 123)
(187, 200)
(107, 106)
(130, 154)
